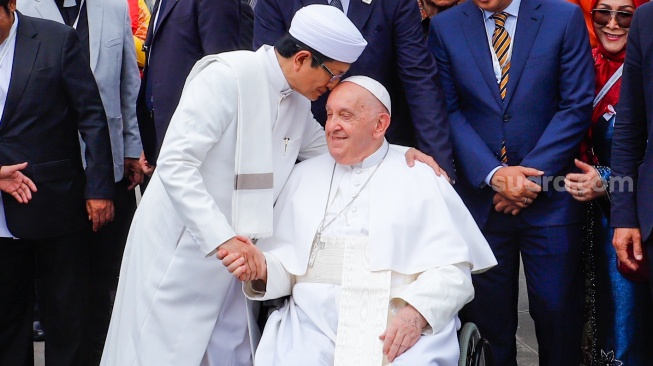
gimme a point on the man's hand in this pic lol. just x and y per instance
(403, 332)
(511, 182)
(145, 166)
(502, 204)
(134, 172)
(623, 240)
(413, 154)
(243, 259)
(100, 211)
(584, 186)
(16, 183)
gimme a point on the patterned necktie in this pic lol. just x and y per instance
(501, 45)
(337, 4)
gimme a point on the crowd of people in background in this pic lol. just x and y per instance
(537, 112)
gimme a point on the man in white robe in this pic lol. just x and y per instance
(377, 256)
(242, 122)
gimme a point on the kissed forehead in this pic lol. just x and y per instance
(354, 97)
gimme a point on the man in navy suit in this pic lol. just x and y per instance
(396, 56)
(632, 156)
(48, 98)
(180, 33)
(518, 111)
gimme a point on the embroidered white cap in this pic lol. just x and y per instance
(327, 30)
(377, 89)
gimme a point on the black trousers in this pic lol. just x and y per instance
(106, 247)
(59, 268)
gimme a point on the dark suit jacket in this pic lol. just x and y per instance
(53, 95)
(546, 111)
(187, 31)
(396, 56)
(632, 152)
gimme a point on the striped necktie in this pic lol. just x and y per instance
(501, 45)
(337, 4)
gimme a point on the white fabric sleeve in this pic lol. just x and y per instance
(438, 294)
(203, 114)
(313, 140)
(279, 282)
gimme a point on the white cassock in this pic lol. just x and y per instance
(407, 238)
(176, 303)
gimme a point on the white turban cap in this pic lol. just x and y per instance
(377, 89)
(327, 30)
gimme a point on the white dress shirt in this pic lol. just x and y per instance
(7, 49)
(345, 5)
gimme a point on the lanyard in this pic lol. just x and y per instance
(81, 5)
(613, 79)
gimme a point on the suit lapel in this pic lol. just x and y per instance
(528, 25)
(474, 28)
(47, 9)
(94, 10)
(24, 55)
(163, 13)
(359, 12)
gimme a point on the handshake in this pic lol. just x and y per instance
(243, 259)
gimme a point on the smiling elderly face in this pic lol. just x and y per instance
(356, 123)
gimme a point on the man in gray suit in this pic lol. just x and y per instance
(104, 29)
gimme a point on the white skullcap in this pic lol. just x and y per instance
(377, 89)
(327, 30)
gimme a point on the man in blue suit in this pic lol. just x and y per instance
(396, 56)
(179, 34)
(518, 111)
(632, 156)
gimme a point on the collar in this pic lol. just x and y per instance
(512, 10)
(278, 81)
(375, 158)
(11, 30)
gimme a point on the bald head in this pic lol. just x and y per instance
(356, 123)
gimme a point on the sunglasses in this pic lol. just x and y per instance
(334, 77)
(602, 17)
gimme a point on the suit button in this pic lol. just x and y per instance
(506, 117)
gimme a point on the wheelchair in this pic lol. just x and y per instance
(474, 349)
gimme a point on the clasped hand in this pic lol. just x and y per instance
(243, 259)
(514, 191)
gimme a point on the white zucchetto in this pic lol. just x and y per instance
(377, 89)
(328, 31)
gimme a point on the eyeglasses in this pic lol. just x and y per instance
(602, 17)
(334, 77)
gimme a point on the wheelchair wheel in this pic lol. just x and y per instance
(482, 353)
(469, 336)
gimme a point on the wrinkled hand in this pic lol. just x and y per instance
(584, 186)
(145, 166)
(501, 204)
(413, 154)
(16, 183)
(134, 172)
(622, 241)
(100, 211)
(403, 332)
(511, 182)
(243, 259)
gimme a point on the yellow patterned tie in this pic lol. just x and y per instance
(501, 45)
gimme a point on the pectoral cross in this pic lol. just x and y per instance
(318, 244)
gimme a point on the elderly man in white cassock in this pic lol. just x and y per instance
(242, 122)
(377, 256)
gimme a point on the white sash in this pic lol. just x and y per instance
(364, 299)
